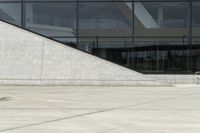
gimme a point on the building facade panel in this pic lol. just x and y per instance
(160, 36)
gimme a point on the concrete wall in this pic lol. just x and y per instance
(177, 79)
(29, 59)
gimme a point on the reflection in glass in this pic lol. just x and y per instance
(150, 37)
(11, 12)
(52, 19)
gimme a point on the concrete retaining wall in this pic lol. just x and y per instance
(176, 79)
(29, 59)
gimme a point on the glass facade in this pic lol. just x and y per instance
(161, 36)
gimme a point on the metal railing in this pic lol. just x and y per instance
(197, 76)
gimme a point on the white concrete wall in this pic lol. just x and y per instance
(29, 59)
(177, 79)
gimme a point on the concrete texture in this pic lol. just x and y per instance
(29, 59)
(177, 79)
(99, 109)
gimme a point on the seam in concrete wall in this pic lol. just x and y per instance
(42, 60)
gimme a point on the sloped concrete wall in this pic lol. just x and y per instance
(29, 59)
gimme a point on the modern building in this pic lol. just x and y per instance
(151, 37)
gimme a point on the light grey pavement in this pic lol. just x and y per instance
(100, 109)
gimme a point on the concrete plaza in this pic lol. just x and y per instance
(99, 109)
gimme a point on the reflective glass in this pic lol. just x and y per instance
(105, 19)
(196, 36)
(57, 20)
(161, 37)
(150, 37)
(11, 12)
(196, 14)
(102, 26)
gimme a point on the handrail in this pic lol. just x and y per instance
(198, 77)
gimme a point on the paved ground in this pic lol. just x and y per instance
(99, 110)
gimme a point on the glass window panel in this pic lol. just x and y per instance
(196, 36)
(105, 29)
(196, 14)
(161, 42)
(166, 14)
(105, 19)
(11, 12)
(56, 20)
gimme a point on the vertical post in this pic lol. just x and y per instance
(97, 42)
(157, 58)
(183, 52)
(189, 36)
(23, 14)
(29, 13)
(132, 57)
(160, 16)
(160, 23)
(190, 33)
(77, 23)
